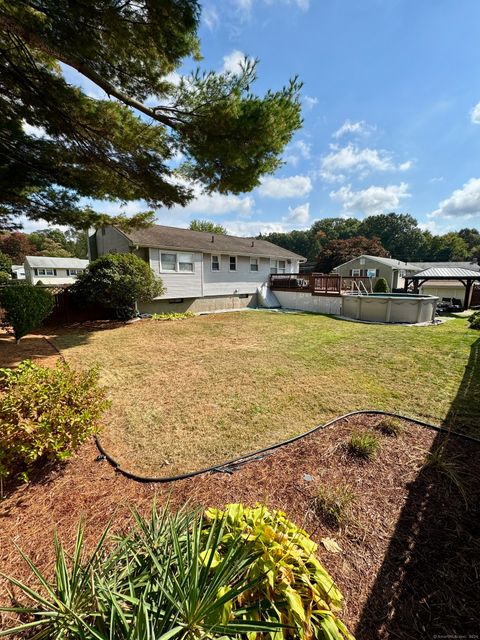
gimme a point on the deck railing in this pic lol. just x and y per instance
(318, 284)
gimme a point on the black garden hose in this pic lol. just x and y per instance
(230, 465)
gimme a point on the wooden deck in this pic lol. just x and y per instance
(318, 284)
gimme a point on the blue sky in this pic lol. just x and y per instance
(391, 104)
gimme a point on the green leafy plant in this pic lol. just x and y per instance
(332, 503)
(185, 576)
(363, 445)
(5, 263)
(291, 585)
(474, 320)
(46, 413)
(25, 306)
(117, 281)
(381, 286)
(391, 427)
(173, 316)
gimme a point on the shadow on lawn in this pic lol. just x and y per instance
(429, 582)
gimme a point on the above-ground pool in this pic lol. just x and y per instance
(389, 307)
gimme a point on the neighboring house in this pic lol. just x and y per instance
(53, 271)
(18, 272)
(200, 271)
(394, 271)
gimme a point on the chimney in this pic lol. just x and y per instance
(253, 243)
(213, 238)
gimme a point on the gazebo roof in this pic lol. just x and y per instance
(449, 273)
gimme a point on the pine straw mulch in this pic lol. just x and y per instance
(410, 549)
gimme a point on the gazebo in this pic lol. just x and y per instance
(465, 276)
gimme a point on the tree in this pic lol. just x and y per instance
(397, 232)
(59, 145)
(26, 307)
(337, 252)
(206, 225)
(16, 246)
(297, 241)
(118, 281)
(5, 263)
(46, 245)
(447, 248)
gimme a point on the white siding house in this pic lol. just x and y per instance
(200, 271)
(53, 271)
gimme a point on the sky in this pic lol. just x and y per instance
(391, 108)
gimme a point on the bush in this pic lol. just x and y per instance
(5, 263)
(117, 281)
(232, 574)
(173, 316)
(364, 445)
(474, 320)
(381, 286)
(391, 426)
(45, 414)
(26, 307)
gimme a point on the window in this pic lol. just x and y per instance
(185, 262)
(233, 263)
(45, 272)
(176, 301)
(355, 272)
(278, 266)
(168, 262)
(215, 264)
(253, 264)
(362, 260)
(74, 272)
(181, 262)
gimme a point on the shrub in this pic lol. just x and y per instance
(390, 427)
(5, 263)
(332, 504)
(363, 445)
(117, 281)
(173, 316)
(381, 286)
(45, 413)
(474, 320)
(26, 307)
(232, 574)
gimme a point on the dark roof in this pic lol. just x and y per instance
(163, 237)
(447, 272)
(472, 266)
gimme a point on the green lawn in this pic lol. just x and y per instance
(198, 391)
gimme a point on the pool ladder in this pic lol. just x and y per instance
(359, 288)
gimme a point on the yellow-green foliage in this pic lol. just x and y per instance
(45, 413)
(173, 316)
(293, 587)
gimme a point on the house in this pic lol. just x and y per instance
(53, 271)
(18, 272)
(374, 267)
(200, 271)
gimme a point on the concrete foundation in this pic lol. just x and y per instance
(199, 305)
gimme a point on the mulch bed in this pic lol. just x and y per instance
(410, 549)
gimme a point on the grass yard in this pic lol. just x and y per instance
(192, 393)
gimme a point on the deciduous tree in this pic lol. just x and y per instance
(206, 225)
(337, 252)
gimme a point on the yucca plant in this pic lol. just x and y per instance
(162, 581)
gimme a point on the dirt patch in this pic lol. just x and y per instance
(31, 347)
(409, 544)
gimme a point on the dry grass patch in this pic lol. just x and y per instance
(190, 394)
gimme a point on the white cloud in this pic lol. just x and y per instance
(291, 187)
(296, 151)
(372, 200)
(233, 62)
(355, 128)
(352, 159)
(464, 202)
(210, 17)
(245, 6)
(240, 228)
(437, 179)
(475, 114)
(310, 101)
(300, 214)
